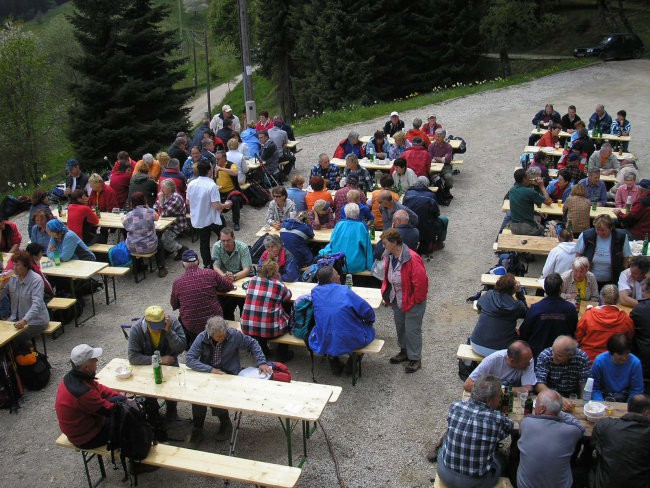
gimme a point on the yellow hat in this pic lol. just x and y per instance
(155, 317)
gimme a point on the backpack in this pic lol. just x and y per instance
(302, 320)
(87, 287)
(130, 433)
(33, 369)
(151, 409)
(510, 262)
(257, 195)
(280, 372)
(257, 249)
(463, 145)
(336, 261)
(443, 195)
(119, 255)
(10, 389)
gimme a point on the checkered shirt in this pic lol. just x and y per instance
(341, 196)
(173, 206)
(195, 293)
(330, 174)
(564, 378)
(576, 173)
(140, 226)
(578, 211)
(263, 314)
(366, 183)
(474, 430)
(216, 354)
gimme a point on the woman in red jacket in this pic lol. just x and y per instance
(101, 193)
(81, 218)
(405, 288)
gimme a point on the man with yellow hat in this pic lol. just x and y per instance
(157, 331)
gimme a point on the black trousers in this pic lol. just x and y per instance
(204, 242)
(237, 203)
(102, 436)
(229, 305)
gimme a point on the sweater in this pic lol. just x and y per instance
(622, 381)
(560, 259)
(497, 324)
(546, 320)
(351, 237)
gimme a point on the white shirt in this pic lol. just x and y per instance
(217, 123)
(626, 283)
(560, 259)
(202, 192)
(242, 166)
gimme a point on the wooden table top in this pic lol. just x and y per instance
(114, 221)
(583, 305)
(293, 144)
(557, 152)
(321, 235)
(378, 164)
(75, 268)
(554, 209)
(295, 400)
(8, 332)
(455, 143)
(371, 295)
(606, 178)
(531, 244)
(609, 137)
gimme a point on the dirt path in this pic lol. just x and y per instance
(199, 105)
(382, 428)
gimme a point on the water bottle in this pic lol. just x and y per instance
(370, 152)
(57, 258)
(157, 368)
(628, 205)
(348, 280)
(644, 249)
(589, 387)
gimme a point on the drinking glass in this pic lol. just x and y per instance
(609, 404)
(181, 376)
(522, 399)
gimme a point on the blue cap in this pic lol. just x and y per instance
(71, 163)
(189, 256)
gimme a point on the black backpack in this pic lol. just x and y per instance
(35, 376)
(258, 249)
(443, 195)
(463, 145)
(130, 433)
(257, 195)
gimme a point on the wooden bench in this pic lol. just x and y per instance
(100, 248)
(51, 328)
(58, 303)
(526, 282)
(142, 257)
(466, 353)
(502, 483)
(111, 272)
(199, 462)
(244, 186)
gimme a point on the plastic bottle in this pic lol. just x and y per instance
(348, 280)
(57, 258)
(644, 249)
(370, 152)
(157, 368)
(371, 231)
(628, 205)
(589, 387)
(594, 204)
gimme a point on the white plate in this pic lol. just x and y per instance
(252, 372)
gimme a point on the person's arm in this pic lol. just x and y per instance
(581, 329)
(229, 171)
(547, 199)
(68, 246)
(136, 346)
(222, 284)
(94, 400)
(193, 357)
(175, 336)
(636, 379)
(538, 116)
(91, 216)
(249, 344)
(37, 307)
(569, 419)
(625, 298)
(468, 385)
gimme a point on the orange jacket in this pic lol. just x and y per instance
(598, 324)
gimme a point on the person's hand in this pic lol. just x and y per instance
(517, 287)
(228, 204)
(216, 371)
(229, 276)
(266, 369)
(617, 211)
(160, 197)
(67, 191)
(167, 360)
(51, 247)
(168, 323)
(276, 225)
(21, 324)
(567, 405)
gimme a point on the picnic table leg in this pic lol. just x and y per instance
(87, 458)
(356, 367)
(233, 436)
(288, 430)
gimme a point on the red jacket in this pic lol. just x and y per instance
(638, 221)
(120, 184)
(598, 324)
(430, 130)
(107, 199)
(418, 159)
(82, 407)
(413, 133)
(547, 140)
(415, 283)
(79, 214)
(116, 166)
(344, 148)
(9, 236)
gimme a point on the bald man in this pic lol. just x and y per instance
(388, 207)
(548, 440)
(513, 365)
(562, 367)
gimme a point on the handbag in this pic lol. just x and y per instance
(378, 269)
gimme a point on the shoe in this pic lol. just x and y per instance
(413, 366)
(225, 429)
(400, 357)
(162, 272)
(236, 227)
(196, 438)
(179, 253)
(348, 366)
(139, 468)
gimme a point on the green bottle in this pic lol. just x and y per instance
(578, 300)
(399, 187)
(566, 145)
(644, 250)
(57, 258)
(59, 209)
(157, 368)
(97, 212)
(371, 230)
(594, 204)
(528, 406)
(537, 126)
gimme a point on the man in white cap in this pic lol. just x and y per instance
(83, 406)
(226, 113)
(393, 125)
(157, 331)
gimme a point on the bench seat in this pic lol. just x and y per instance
(58, 303)
(466, 353)
(51, 329)
(210, 464)
(501, 483)
(101, 248)
(374, 347)
(112, 272)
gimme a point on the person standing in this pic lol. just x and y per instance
(405, 288)
(205, 206)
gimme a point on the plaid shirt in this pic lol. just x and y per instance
(366, 183)
(576, 173)
(576, 209)
(341, 197)
(330, 174)
(140, 226)
(474, 430)
(216, 354)
(173, 206)
(564, 378)
(196, 294)
(263, 314)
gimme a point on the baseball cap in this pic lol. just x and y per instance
(394, 113)
(155, 317)
(83, 352)
(189, 256)
(71, 163)
(645, 184)
(226, 108)
(431, 117)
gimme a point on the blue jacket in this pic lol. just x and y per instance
(604, 123)
(365, 214)
(298, 197)
(295, 235)
(497, 324)
(423, 202)
(197, 137)
(539, 116)
(620, 380)
(343, 320)
(187, 167)
(199, 357)
(550, 188)
(71, 247)
(371, 147)
(546, 320)
(289, 272)
(351, 237)
(249, 136)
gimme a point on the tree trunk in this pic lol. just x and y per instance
(506, 69)
(606, 15)
(624, 20)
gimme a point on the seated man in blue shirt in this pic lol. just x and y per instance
(326, 170)
(617, 373)
(594, 188)
(365, 214)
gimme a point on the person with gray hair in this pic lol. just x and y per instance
(513, 365)
(275, 251)
(350, 145)
(564, 368)
(178, 149)
(469, 456)
(548, 440)
(172, 172)
(605, 160)
(595, 189)
(326, 170)
(170, 204)
(600, 120)
(216, 351)
(579, 280)
(432, 227)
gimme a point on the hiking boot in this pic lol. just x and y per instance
(196, 438)
(225, 428)
(413, 366)
(179, 253)
(162, 272)
(236, 227)
(400, 357)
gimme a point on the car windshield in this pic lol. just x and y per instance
(604, 40)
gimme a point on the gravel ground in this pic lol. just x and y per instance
(382, 428)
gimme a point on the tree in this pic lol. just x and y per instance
(27, 109)
(125, 99)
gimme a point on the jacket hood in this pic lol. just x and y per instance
(498, 304)
(567, 247)
(608, 315)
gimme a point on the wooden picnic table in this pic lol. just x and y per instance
(321, 235)
(530, 244)
(293, 145)
(378, 164)
(294, 401)
(583, 304)
(554, 209)
(371, 295)
(8, 332)
(454, 143)
(605, 178)
(112, 220)
(557, 152)
(608, 137)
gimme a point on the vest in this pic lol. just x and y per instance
(618, 239)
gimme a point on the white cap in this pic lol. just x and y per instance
(83, 352)
(589, 385)
(394, 113)
(226, 108)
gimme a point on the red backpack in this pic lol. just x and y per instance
(280, 372)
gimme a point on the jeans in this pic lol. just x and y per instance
(526, 229)
(199, 412)
(452, 479)
(480, 350)
(409, 329)
(204, 242)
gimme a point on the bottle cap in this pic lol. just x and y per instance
(589, 386)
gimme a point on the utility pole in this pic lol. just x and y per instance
(247, 69)
(207, 70)
(196, 87)
(180, 21)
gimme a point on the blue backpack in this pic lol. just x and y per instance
(302, 317)
(119, 255)
(336, 261)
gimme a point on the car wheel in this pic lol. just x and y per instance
(637, 53)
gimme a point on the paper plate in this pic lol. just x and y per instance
(252, 372)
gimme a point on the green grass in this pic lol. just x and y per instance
(264, 92)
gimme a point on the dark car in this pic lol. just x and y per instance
(613, 46)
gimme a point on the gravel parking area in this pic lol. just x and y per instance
(382, 428)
